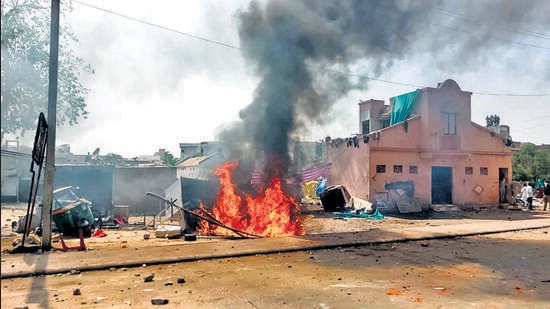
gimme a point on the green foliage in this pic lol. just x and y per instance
(25, 46)
(531, 163)
(169, 159)
(112, 159)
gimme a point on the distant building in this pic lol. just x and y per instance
(63, 155)
(200, 159)
(188, 150)
(200, 167)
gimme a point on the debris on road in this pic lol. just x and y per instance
(149, 278)
(159, 301)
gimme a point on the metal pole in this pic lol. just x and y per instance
(50, 149)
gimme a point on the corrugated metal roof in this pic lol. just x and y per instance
(194, 161)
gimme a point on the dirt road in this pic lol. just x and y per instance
(505, 270)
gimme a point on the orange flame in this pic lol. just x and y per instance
(272, 213)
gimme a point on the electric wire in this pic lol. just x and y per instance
(501, 26)
(493, 37)
(319, 68)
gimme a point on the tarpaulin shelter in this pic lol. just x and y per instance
(401, 106)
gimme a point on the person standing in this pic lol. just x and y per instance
(539, 192)
(527, 195)
(546, 198)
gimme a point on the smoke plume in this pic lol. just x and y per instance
(304, 52)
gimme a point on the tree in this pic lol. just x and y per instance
(169, 159)
(25, 61)
(112, 159)
(531, 163)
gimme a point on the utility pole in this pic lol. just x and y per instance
(50, 148)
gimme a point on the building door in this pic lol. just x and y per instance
(442, 185)
(503, 186)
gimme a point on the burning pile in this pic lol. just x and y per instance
(272, 213)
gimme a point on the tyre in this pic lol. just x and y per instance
(87, 231)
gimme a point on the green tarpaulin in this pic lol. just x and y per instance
(401, 106)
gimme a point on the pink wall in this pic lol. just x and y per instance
(425, 145)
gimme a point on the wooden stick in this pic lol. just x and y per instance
(215, 221)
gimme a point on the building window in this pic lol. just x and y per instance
(449, 123)
(380, 168)
(469, 170)
(398, 169)
(319, 150)
(484, 171)
(413, 169)
(366, 127)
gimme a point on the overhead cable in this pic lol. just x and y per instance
(319, 68)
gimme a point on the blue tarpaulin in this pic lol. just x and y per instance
(401, 106)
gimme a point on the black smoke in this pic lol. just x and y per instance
(304, 53)
(300, 50)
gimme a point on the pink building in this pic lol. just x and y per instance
(423, 150)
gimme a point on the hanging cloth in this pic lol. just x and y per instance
(401, 106)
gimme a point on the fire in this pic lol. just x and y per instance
(272, 213)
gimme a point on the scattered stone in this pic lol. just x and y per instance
(74, 272)
(159, 301)
(127, 302)
(181, 280)
(168, 283)
(124, 269)
(112, 268)
(76, 292)
(146, 236)
(348, 292)
(149, 278)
